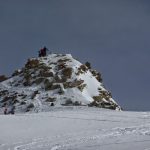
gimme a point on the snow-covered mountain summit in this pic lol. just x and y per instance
(55, 80)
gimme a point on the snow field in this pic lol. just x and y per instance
(75, 128)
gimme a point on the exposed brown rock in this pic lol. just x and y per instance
(3, 78)
(82, 69)
(44, 67)
(47, 73)
(50, 85)
(67, 72)
(47, 84)
(32, 63)
(60, 79)
(61, 66)
(81, 87)
(63, 60)
(75, 83)
(39, 80)
(97, 75)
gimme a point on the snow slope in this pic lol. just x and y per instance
(76, 128)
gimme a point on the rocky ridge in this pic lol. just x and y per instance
(55, 80)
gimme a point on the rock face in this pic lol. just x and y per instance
(55, 80)
(3, 78)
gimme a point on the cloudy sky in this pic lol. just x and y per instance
(114, 35)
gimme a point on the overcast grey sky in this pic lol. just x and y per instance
(112, 34)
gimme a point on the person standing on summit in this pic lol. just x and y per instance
(43, 52)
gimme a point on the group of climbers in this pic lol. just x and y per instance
(43, 52)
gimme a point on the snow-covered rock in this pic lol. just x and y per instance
(55, 80)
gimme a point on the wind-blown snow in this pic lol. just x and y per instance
(76, 128)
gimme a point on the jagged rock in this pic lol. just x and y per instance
(39, 80)
(97, 75)
(88, 65)
(63, 60)
(17, 72)
(44, 73)
(30, 107)
(3, 92)
(50, 85)
(73, 84)
(5, 99)
(10, 99)
(60, 79)
(32, 63)
(82, 69)
(62, 66)
(47, 85)
(67, 72)
(43, 67)
(3, 78)
(81, 87)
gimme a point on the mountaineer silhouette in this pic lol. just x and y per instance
(43, 51)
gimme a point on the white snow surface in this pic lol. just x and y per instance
(76, 128)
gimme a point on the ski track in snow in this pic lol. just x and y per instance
(118, 132)
(78, 139)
